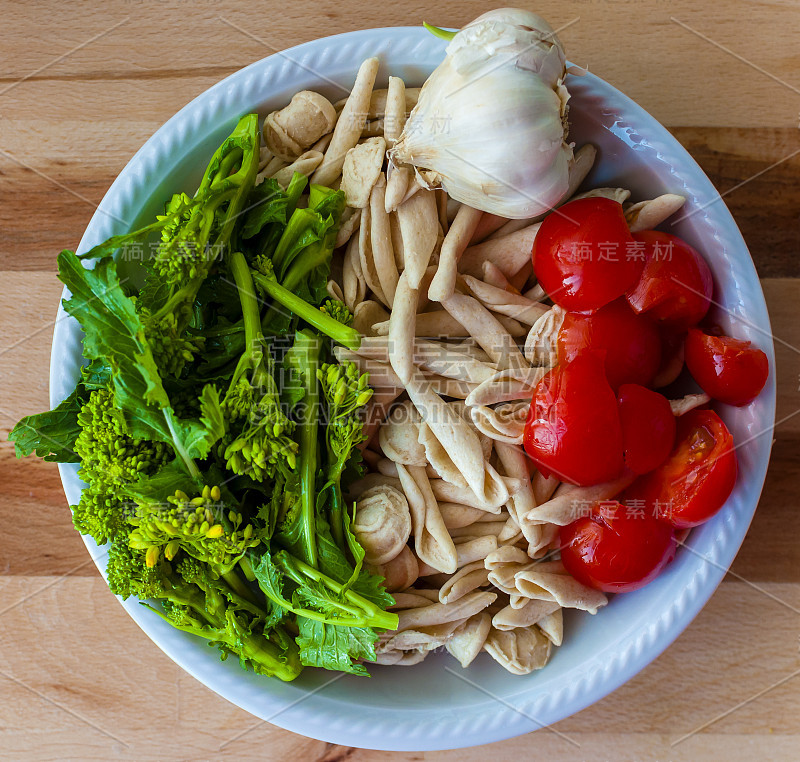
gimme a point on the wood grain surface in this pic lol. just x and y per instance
(83, 85)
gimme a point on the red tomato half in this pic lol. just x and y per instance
(582, 254)
(616, 549)
(727, 369)
(676, 285)
(573, 428)
(631, 343)
(648, 427)
(697, 478)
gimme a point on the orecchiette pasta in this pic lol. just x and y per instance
(502, 423)
(540, 345)
(647, 215)
(510, 252)
(400, 572)
(568, 501)
(442, 613)
(533, 612)
(382, 523)
(361, 170)
(432, 542)
(348, 127)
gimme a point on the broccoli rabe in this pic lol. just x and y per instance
(346, 391)
(261, 444)
(191, 383)
(204, 527)
(319, 319)
(303, 360)
(106, 451)
(316, 595)
(110, 460)
(196, 232)
(194, 600)
(339, 311)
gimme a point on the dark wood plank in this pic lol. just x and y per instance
(764, 199)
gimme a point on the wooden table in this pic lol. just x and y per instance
(82, 86)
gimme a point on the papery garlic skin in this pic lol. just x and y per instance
(490, 123)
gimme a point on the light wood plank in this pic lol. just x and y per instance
(112, 679)
(641, 48)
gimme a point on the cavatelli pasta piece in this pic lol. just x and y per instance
(468, 578)
(468, 639)
(520, 651)
(432, 542)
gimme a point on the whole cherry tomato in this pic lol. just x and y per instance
(631, 343)
(582, 254)
(697, 478)
(648, 427)
(727, 369)
(573, 429)
(676, 285)
(616, 549)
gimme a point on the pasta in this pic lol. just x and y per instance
(456, 334)
(348, 127)
(382, 523)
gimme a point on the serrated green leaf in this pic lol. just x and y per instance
(334, 647)
(266, 204)
(211, 416)
(113, 331)
(51, 435)
(162, 484)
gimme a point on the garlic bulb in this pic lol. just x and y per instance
(490, 124)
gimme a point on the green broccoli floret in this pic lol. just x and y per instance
(172, 349)
(195, 232)
(106, 451)
(203, 527)
(339, 311)
(110, 460)
(183, 252)
(100, 514)
(260, 444)
(346, 391)
(128, 574)
(193, 600)
(263, 446)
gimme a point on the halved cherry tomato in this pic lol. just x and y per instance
(582, 254)
(697, 478)
(631, 343)
(616, 549)
(676, 285)
(573, 428)
(727, 369)
(648, 427)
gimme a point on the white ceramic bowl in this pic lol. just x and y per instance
(429, 706)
